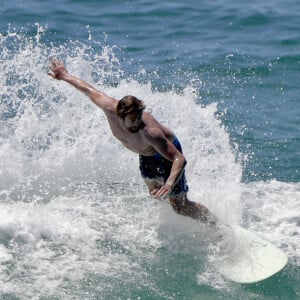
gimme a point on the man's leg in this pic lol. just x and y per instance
(182, 205)
(197, 211)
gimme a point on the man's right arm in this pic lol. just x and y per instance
(59, 72)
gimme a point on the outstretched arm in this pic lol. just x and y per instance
(60, 72)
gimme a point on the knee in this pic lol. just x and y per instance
(188, 208)
(180, 205)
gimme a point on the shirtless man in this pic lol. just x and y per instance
(161, 160)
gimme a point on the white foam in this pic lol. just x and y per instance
(73, 204)
(272, 210)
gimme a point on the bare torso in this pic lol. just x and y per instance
(140, 133)
(138, 141)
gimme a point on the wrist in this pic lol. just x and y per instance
(169, 183)
(67, 77)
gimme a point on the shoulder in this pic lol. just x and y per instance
(105, 102)
(108, 104)
(151, 123)
(152, 130)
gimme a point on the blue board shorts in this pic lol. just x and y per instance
(157, 166)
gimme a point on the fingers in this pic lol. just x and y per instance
(54, 63)
(52, 75)
(161, 192)
(52, 66)
(56, 67)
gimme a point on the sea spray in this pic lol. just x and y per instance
(74, 207)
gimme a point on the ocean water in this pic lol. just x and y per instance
(76, 221)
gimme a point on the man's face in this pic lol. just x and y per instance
(133, 121)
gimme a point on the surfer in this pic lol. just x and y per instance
(162, 162)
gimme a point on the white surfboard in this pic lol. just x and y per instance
(249, 258)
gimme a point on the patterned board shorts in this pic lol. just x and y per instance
(157, 166)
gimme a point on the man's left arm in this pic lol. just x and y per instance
(171, 153)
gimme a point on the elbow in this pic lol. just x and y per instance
(184, 162)
(180, 161)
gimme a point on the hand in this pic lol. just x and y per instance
(162, 192)
(58, 69)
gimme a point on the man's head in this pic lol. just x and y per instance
(130, 110)
(129, 104)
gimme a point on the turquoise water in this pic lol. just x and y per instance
(75, 220)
